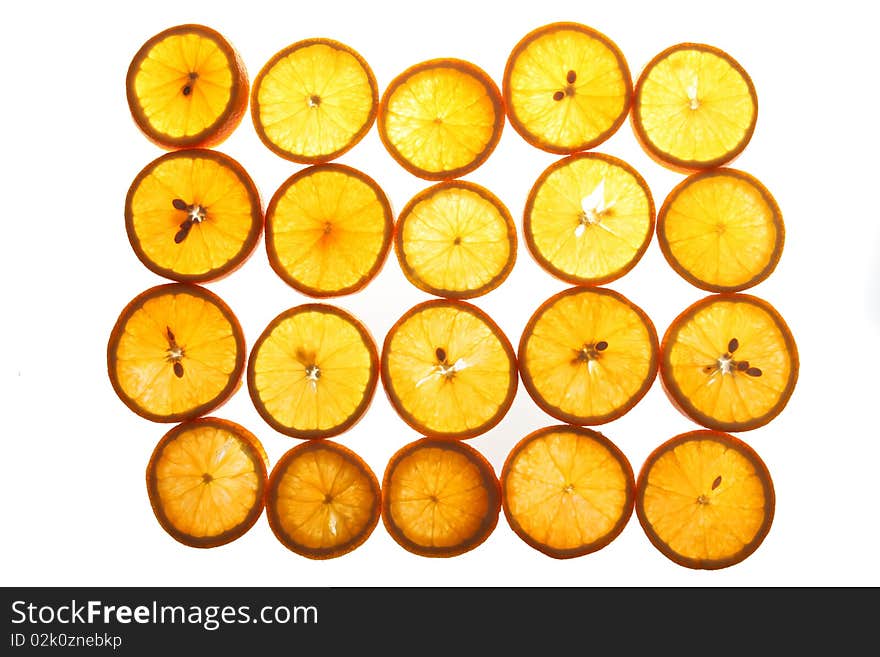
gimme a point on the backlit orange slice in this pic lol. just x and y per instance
(314, 100)
(441, 119)
(323, 500)
(448, 369)
(456, 239)
(588, 355)
(566, 87)
(176, 352)
(207, 481)
(694, 108)
(729, 362)
(193, 215)
(705, 499)
(187, 87)
(328, 230)
(567, 491)
(589, 218)
(313, 371)
(440, 498)
(721, 230)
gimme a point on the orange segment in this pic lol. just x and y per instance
(313, 371)
(448, 369)
(323, 500)
(588, 355)
(705, 499)
(207, 480)
(193, 215)
(187, 87)
(440, 498)
(729, 362)
(175, 352)
(441, 118)
(695, 107)
(328, 230)
(721, 230)
(456, 240)
(567, 491)
(314, 100)
(566, 87)
(589, 218)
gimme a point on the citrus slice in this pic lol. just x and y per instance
(588, 355)
(456, 239)
(566, 87)
(694, 107)
(187, 87)
(721, 230)
(328, 230)
(314, 100)
(589, 218)
(729, 362)
(567, 491)
(448, 369)
(313, 371)
(206, 481)
(441, 119)
(705, 499)
(323, 500)
(176, 352)
(440, 498)
(193, 215)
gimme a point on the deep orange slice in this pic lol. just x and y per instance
(567, 87)
(187, 87)
(314, 100)
(441, 119)
(176, 352)
(193, 215)
(448, 369)
(567, 491)
(323, 501)
(588, 355)
(721, 230)
(729, 362)
(456, 240)
(705, 499)
(328, 230)
(313, 371)
(207, 481)
(440, 498)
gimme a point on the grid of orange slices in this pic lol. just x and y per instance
(728, 362)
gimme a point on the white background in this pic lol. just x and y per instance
(75, 508)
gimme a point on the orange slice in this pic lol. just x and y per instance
(176, 352)
(694, 108)
(705, 499)
(314, 100)
(328, 230)
(566, 87)
(313, 371)
(567, 491)
(323, 500)
(589, 218)
(588, 355)
(448, 369)
(440, 498)
(187, 87)
(206, 481)
(456, 239)
(193, 215)
(729, 362)
(441, 119)
(721, 230)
